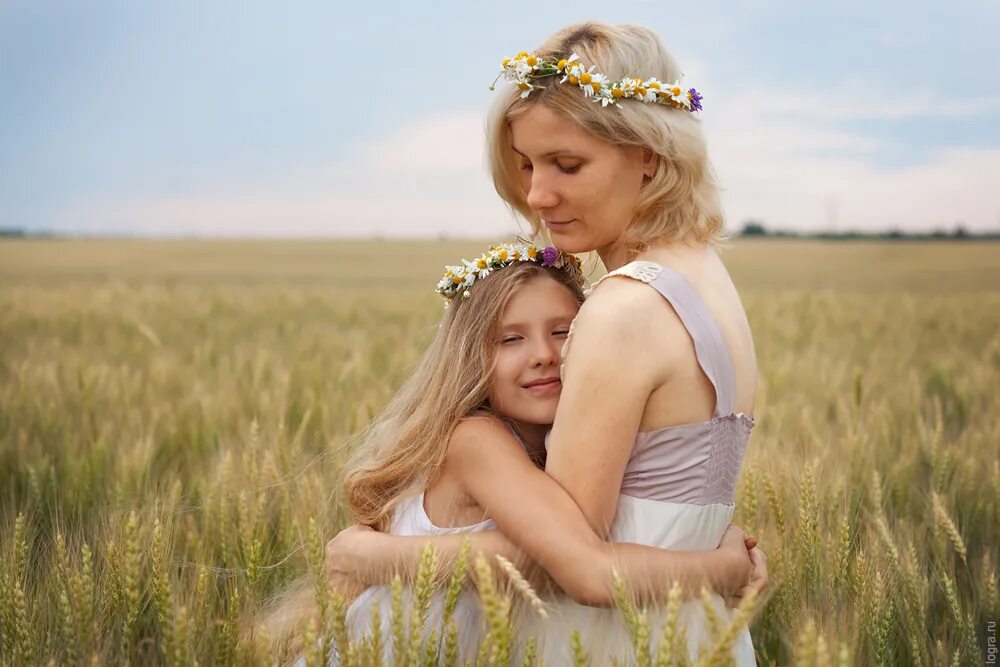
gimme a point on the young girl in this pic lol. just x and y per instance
(460, 448)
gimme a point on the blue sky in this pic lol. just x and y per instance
(355, 119)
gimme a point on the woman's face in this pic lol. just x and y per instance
(525, 384)
(584, 188)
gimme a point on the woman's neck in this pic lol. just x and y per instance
(613, 256)
(616, 256)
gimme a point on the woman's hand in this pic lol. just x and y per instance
(758, 578)
(346, 557)
(739, 550)
(737, 567)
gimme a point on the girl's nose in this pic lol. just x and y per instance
(546, 353)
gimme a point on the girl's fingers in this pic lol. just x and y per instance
(751, 542)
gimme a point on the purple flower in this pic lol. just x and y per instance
(695, 100)
(549, 256)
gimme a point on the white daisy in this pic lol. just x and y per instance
(678, 94)
(589, 79)
(523, 68)
(575, 74)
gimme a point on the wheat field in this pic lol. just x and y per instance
(173, 416)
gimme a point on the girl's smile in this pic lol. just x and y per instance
(544, 386)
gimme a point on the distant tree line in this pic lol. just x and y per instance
(751, 229)
(754, 228)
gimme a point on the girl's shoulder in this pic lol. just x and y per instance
(479, 438)
(478, 426)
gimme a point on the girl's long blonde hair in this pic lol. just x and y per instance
(407, 443)
(681, 201)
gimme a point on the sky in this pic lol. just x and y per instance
(367, 119)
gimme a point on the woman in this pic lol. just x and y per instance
(659, 376)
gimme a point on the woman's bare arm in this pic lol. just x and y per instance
(607, 382)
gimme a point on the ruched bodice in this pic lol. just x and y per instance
(693, 463)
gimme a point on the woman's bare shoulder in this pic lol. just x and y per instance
(628, 310)
(626, 324)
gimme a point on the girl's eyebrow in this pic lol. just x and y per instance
(552, 320)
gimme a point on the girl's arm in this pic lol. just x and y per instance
(359, 557)
(535, 513)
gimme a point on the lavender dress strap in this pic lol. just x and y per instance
(709, 345)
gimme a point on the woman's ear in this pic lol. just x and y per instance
(649, 161)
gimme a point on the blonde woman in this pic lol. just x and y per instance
(659, 380)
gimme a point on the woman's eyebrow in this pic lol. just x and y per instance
(558, 151)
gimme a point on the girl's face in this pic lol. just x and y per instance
(525, 385)
(585, 189)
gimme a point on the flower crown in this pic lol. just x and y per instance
(526, 66)
(460, 279)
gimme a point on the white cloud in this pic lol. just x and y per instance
(425, 179)
(784, 162)
(801, 172)
(449, 142)
(859, 100)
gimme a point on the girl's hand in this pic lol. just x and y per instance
(346, 557)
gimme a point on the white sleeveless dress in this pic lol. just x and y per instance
(411, 519)
(677, 494)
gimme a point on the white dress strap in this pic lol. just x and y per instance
(639, 270)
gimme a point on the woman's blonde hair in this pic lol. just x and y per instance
(407, 443)
(681, 200)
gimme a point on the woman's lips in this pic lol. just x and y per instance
(558, 224)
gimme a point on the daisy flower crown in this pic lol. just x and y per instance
(525, 67)
(458, 280)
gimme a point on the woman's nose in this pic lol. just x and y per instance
(540, 194)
